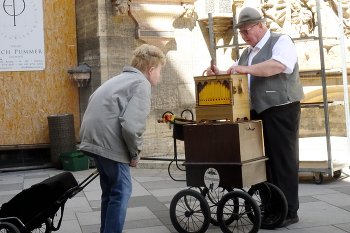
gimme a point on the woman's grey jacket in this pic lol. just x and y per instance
(115, 118)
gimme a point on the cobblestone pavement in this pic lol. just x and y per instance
(323, 208)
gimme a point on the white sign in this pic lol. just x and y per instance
(211, 178)
(21, 35)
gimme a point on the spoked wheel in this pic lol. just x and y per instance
(239, 205)
(6, 227)
(44, 227)
(189, 212)
(213, 198)
(272, 202)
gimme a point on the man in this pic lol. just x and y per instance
(270, 63)
(112, 129)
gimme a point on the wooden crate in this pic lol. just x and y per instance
(222, 97)
(223, 142)
(235, 175)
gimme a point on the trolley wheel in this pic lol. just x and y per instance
(189, 212)
(337, 174)
(213, 197)
(6, 227)
(44, 227)
(272, 202)
(318, 177)
(240, 205)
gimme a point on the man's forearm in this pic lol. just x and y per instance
(266, 68)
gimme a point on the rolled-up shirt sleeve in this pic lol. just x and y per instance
(285, 52)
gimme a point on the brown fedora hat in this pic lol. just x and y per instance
(249, 16)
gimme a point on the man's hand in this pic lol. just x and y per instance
(237, 69)
(215, 71)
(134, 161)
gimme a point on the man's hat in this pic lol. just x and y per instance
(249, 16)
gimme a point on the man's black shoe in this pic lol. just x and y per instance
(288, 221)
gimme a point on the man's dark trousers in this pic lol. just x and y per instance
(281, 139)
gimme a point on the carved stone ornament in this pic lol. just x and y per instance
(155, 19)
(188, 10)
(120, 8)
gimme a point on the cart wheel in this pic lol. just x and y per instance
(337, 174)
(240, 205)
(318, 177)
(272, 202)
(6, 227)
(44, 227)
(213, 197)
(189, 212)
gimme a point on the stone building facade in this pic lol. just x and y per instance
(106, 40)
(103, 34)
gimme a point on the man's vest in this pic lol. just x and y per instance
(282, 88)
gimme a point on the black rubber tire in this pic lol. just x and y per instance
(44, 227)
(239, 204)
(318, 180)
(189, 212)
(337, 174)
(6, 227)
(213, 198)
(272, 203)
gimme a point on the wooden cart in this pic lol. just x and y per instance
(226, 173)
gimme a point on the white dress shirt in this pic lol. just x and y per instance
(283, 51)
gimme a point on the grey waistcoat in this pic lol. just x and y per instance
(266, 92)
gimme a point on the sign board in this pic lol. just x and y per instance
(21, 35)
(211, 178)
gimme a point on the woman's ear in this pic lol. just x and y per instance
(150, 70)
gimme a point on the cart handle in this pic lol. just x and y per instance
(187, 111)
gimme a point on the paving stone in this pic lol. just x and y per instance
(336, 199)
(314, 214)
(156, 229)
(70, 226)
(12, 180)
(345, 226)
(163, 216)
(37, 176)
(305, 199)
(89, 218)
(138, 189)
(139, 213)
(11, 187)
(90, 229)
(93, 195)
(142, 223)
(345, 190)
(163, 185)
(323, 208)
(149, 201)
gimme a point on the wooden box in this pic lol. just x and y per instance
(222, 97)
(223, 142)
(235, 175)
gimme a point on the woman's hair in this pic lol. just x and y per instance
(147, 56)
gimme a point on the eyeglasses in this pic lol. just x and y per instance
(246, 31)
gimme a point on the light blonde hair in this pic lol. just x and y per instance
(147, 56)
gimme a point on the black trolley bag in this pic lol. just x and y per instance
(33, 206)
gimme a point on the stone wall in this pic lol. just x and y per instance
(106, 39)
(108, 31)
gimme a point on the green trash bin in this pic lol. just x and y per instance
(74, 161)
